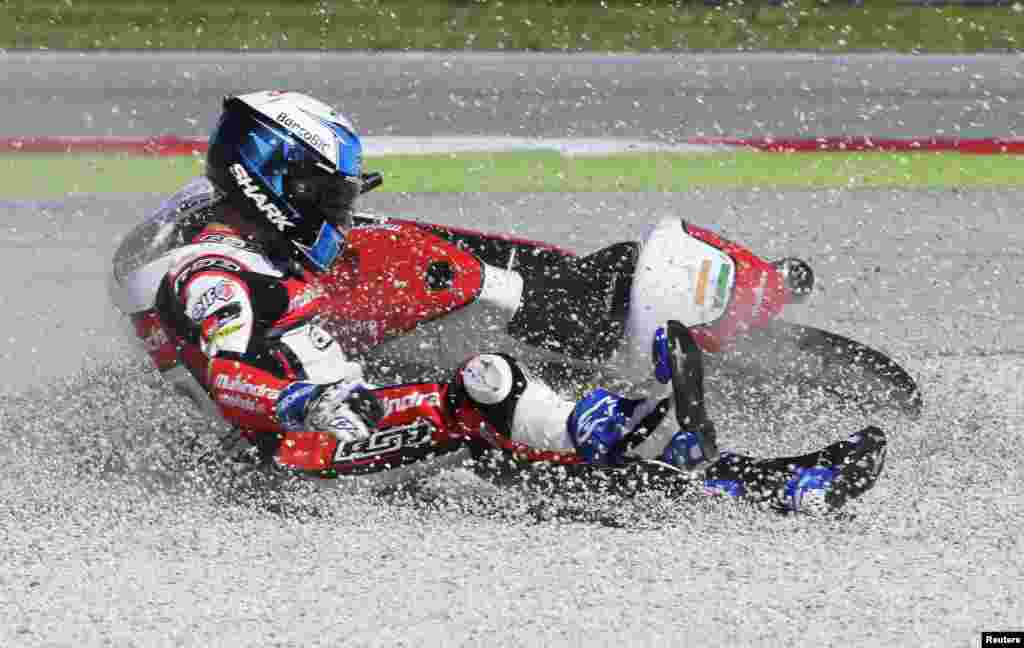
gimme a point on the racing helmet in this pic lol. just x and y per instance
(291, 165)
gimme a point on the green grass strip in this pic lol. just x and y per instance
(30, 176)
(560, 25)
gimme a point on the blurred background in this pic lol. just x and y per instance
(546, 25)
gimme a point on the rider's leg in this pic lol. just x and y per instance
(577, 308)
(603, 427)
(519, 406)
(813, 483)
(526, 411)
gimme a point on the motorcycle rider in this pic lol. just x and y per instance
(246, 302)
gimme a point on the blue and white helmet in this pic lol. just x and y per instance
(291, 164)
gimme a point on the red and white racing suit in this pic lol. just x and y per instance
(248, 331)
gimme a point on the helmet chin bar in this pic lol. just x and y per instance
(330, 195)
(329, 244)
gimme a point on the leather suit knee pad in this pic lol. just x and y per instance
(492, 383)
(490, 379)
(519, 406)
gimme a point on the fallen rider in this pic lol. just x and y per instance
(241, 298)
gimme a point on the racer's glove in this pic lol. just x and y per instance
(346, 409)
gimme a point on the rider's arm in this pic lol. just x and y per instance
(260, 382)
(218, 309)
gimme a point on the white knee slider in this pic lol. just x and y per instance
(488, 379)
(523, 407)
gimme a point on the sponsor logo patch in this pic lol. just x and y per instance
(259, 199)
(304, 133)
(239, 385)
(388, 441)
(191, 202)
(595, 418)
(233, 241)
(391, 227)
(205, 263)
(409, 401)
(358, 329)
(223, 291)
(241, 402)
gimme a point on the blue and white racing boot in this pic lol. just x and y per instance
(684, 450)
(816, 483)
(604, 426)
(597, 426)
(851, 468)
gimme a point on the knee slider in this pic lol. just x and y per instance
(489, 379)
(519, 407)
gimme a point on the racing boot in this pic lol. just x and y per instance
(816, 483)
(686, 451)
(605, 427)
(678, 360)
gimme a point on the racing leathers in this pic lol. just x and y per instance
(251, 333)
(247, 328)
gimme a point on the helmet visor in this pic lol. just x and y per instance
(309, 186)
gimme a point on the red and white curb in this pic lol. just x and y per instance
(171, 145)
(840, 144)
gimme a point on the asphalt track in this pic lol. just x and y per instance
(115, 533)
(663, 97)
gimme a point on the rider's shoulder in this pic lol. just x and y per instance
(216, 236)
(219, 249)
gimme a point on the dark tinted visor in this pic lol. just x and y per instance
(310, 186)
